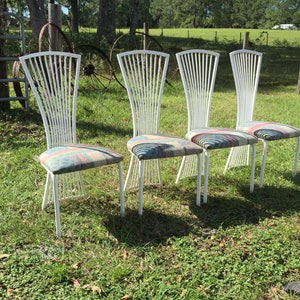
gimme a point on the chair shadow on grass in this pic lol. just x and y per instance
(250, 208)
(92, 130)
(18, 125)
(155, 227)
(150, 229)
(170, 212)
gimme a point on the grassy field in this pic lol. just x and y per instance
(227, 35)
(238, 246)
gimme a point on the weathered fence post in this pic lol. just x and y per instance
(246, 40)
(55, 17)
(146, 36)
(299, 83)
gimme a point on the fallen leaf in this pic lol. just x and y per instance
(85, 286)
(76, 283)
(183, 292)
(275, 289)
(95, 288)
(222, 244)
(126, 297)
(76, 265)
(4, 256)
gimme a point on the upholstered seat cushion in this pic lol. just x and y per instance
(217, 138)
(150, 146)
(269, 131)
(77, 157)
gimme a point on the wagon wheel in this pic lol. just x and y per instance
(52, 38)
(96, 70)
(173, 70)
(130, 41)
(18, 87)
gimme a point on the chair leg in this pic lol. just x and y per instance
(188, 167)
(199, 178)
(152, 174)
(141, 185)
(296, 158)
(47, 191)
(178, 177)
(206, 172)
(121, 180)
(263, 164)
(253, 168)
(129, 174)
(238, 156)
(56, 206)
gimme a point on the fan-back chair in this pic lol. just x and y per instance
(198, 70)
(246, 66)
(53, 78)
(144, 73)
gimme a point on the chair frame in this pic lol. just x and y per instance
(151, 168)
(53, 77)
(144, 80)
(205, 72)
(246, 67)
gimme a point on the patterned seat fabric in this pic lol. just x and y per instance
(269, 131)
(71, 158)
(151, 146)
(217, 138)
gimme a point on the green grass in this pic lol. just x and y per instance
(238, 246)
(226, 35)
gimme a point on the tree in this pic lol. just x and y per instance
(132, 13)
(88, 14)
(107, 20)
(37, 15)
(4, 92)
(220, 13)
(249, 13)
(191, 13)
(163, 11)
(177, 13)
(75, 16)
(134, 16)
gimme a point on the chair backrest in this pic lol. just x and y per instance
(53, 77)
(198, 69)
(144, 73)
(246, 65)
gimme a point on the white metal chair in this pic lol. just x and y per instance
(53, 78)
(198, 70)
(144, 73)
(246, 66)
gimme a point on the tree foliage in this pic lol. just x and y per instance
(177, 13)
(225, 13)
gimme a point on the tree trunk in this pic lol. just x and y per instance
(134, 16)
(4, 91)
(107, 20)
(37, 15)
(75, 16)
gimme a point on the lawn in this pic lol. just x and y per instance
(236, 35)
(237, 246)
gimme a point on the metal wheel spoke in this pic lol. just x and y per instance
(96, 70)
